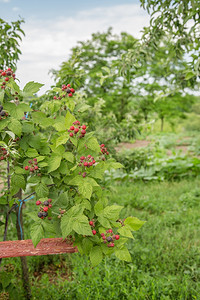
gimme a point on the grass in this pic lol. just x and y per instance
(165, 253)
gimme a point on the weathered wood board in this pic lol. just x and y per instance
(26, 248)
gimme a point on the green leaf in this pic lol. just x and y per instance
(66, 225)
(31, 88)
(18, 181)
(98, 208)
(42, 190)
(112, 212)
(123, 254)
(81, 225)
(54, 162)
(41, 119)
(96, 255)
(87, 245)
(62, 139)
(36, 232)
(31, 153)
(4, 123)
(69, 156)
(69, 119)
(133, 223)
(15, 126)
(124, 231)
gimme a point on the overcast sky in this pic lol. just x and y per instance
(52, 28)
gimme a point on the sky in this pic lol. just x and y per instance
(52, 28)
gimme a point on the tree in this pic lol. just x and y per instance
(89, 67)
(10, 35)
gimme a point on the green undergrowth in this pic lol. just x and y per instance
(165, 253)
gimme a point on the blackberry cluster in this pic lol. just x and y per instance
(77, 128)
(109, 237)
(44, 207)
(6, 75)
(68, 92)
(32, 167)
(3, 153)
(3, 114)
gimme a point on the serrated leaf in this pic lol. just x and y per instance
(32, 153)
(112, 212)
(69, 156)
(86, 245)
(81, 225)
(31, 88)
(36, 232)
(98, 208)
(133, 223)
(62, 139)
(124, 231)
(96, 255)
(18, 181)
(42, 190)
(123, 254)
(69, 119)
(66, 225)
(54, 162)
(15, 126)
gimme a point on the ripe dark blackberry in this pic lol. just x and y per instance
(45, 214)
(109, 239)
(40, 214)
(2, 113)
(46, 203)
(1, 107)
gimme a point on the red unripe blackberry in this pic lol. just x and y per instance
(102, 145)
(85, 164)
(50, 205)
(6, 79)
(76, 130)
(82, 157)
(3, 149)
(84, 127)
(94, 161)
(55, 98)
(35, 159)
(90, 163)
(70, 94)
(117, 237)
(45, 208)
(110, 230)
(84, 174)
(9, 69)
(49, 200)
(71, 134)
(89, 156)
(4, 152)
(2, 158)
(94, 232)
(91, 223)
(83, 131)
(38, 202)
(68, 85)
(30, 161)
(36, 167)
(102, 234)
(31, 169)
(104, 237)
(3, 73)
(71, 128)
(72, 90)
(111, 245)
(26, 168)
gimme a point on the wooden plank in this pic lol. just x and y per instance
(26, 248)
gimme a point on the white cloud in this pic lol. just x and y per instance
(5, 1)
(47, 43)
(15, 8)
